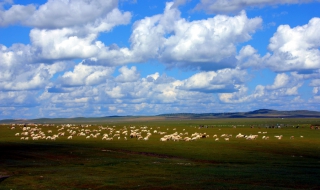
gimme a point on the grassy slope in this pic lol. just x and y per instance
(132, 164)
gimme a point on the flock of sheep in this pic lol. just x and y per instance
(70, 131)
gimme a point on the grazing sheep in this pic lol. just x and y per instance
(70, 137)
(251, 137)
(216, 139)
(164, 139)
(239, 135)
(279, 137)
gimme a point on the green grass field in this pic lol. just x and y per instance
(81, 163)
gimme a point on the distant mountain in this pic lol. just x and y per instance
(261, 113)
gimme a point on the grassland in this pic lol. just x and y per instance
(83, 163)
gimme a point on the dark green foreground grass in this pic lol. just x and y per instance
(132, 164)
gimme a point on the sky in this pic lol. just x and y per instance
(95, 58)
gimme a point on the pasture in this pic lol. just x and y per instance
(121, 162)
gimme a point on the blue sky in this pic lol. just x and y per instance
(72, 58)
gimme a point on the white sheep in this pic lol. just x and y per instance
(163, 139)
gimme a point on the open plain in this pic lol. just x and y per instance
(161, 153)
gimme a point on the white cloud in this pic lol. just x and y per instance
(115, 92)
(63, 44)
(16, 14)
(99, 14)
(295, 49)
(236, 97)
(72, 36)
(18, 99)
(153, 77)
(86, 75)
(204, 44)
(221, 81)
(61, 13)
(177, 3)
(208, 47)
(315, 82)
(316, 90)
(248, 58)
(127, 75)
(280, 81)
(284, 87)
(19, 73)
(232, 6)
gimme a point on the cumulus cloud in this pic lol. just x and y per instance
(232, 6)
(226, 80)
(62, 44)
(67, 30)
(127, 74)
(79, 41)
(283, 87)
(249, 58)
(239, 96)
(16, 14)
(295, 49)
(18, 99)
(58, 13)
(204, 44)
(315, 82)
(19, 73)
(210, 47)
(177, 3)
(280, 81)
(85, 75)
